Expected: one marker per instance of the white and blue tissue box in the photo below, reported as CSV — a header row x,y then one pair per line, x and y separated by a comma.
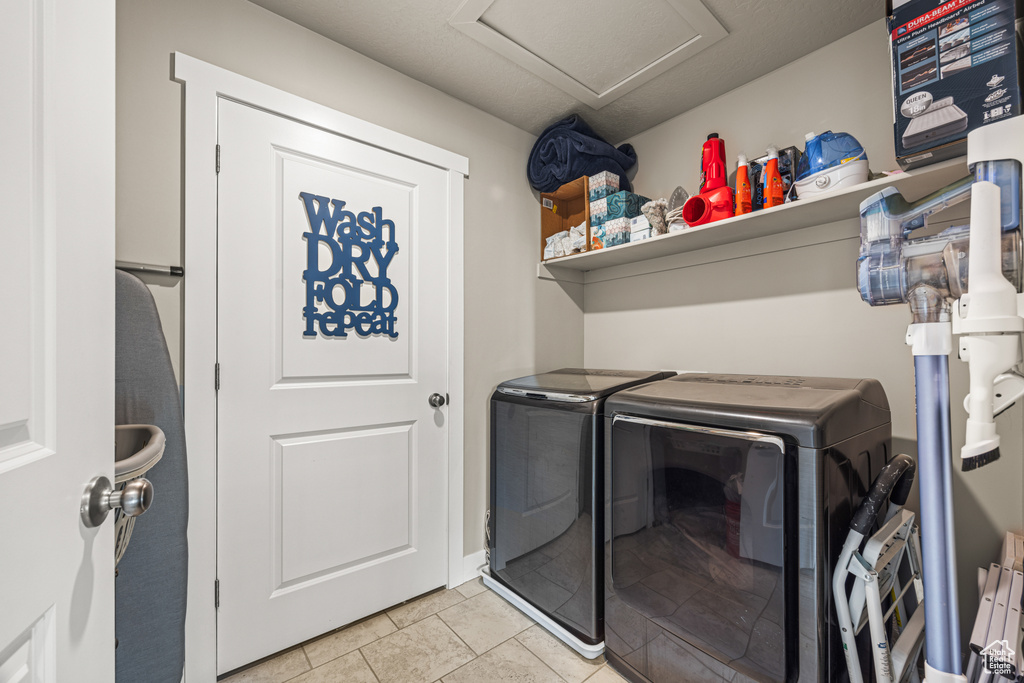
x,y
602,185
616,238
614,232
602,192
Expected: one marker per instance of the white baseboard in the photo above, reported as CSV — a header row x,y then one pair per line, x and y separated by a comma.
x,y
472,565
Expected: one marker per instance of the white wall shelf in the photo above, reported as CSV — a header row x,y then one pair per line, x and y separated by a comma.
x,y
798,215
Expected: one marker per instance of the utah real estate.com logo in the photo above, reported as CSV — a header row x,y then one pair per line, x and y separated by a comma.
x,y
998,658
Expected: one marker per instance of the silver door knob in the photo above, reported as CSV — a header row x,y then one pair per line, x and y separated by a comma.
x,y
100,498
436,400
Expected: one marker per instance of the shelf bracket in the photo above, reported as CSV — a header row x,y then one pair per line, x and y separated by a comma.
x,y
546,272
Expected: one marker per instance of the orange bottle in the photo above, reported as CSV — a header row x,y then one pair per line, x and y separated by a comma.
x,y
743,202
774,195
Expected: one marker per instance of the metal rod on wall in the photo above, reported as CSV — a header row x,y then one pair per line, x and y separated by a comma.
x,y
173,271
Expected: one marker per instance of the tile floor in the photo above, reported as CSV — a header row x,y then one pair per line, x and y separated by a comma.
x,y
464,635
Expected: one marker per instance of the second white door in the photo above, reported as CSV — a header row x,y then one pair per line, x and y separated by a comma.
x,y
332,338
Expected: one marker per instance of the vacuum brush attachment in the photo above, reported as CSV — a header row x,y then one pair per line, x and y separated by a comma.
x,y
989,326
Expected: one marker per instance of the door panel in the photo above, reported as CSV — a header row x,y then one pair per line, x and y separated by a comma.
x,y
311,356
364,473
332,319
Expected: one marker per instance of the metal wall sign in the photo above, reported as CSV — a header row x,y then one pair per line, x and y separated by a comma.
x,y
351,292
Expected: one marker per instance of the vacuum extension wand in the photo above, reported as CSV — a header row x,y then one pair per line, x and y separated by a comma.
x,y
931,339
935,479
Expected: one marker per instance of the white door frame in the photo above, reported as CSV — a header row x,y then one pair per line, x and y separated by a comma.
x,y
203,85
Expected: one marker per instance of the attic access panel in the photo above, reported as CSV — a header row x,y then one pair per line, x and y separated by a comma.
x,y
596,51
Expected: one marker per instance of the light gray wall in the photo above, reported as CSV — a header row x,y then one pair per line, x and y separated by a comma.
x,y
794,308
515,324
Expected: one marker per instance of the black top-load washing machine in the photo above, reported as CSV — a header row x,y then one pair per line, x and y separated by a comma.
x,y
546,511
729,498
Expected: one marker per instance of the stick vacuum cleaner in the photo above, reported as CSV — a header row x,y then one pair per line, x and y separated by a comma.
x,y
962,281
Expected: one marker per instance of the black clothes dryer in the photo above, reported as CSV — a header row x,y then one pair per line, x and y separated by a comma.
x,y
729,498
546,507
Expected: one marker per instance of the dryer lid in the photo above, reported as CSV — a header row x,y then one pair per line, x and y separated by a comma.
x,y
578,384
816,411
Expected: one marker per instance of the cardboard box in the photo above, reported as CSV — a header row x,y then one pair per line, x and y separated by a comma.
x,y
566,207
955,68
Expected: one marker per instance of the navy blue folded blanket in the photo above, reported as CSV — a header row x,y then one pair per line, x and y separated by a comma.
x,y
570,149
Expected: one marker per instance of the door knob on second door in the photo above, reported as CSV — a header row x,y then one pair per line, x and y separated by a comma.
x,y
436,400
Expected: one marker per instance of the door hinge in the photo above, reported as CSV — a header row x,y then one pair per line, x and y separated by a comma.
x,y
216,376
218,158
216,593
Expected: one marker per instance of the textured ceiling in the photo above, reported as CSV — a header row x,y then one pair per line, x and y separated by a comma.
x,y
415,38
651,28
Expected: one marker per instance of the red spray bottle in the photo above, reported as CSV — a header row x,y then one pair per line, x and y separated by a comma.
x,y
714,201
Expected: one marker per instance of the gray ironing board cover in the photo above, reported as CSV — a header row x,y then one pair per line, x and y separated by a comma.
x,y
152,576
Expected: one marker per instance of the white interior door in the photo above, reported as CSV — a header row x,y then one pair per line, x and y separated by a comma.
x,y
56,338
332,336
